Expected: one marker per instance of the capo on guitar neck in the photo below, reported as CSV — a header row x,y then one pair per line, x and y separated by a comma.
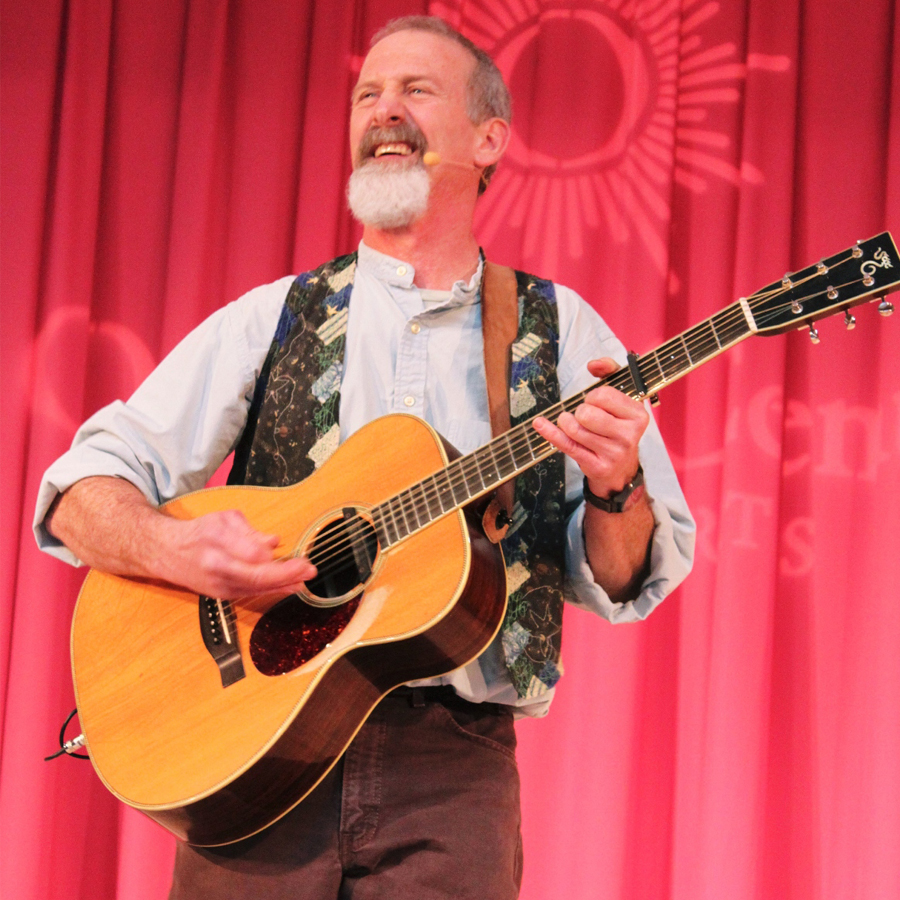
x,y
638,379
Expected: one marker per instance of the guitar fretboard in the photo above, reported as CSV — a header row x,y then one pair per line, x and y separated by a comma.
x,y
480,472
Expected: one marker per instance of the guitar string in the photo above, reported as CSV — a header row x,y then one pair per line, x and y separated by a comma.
x,y
459,476
472,465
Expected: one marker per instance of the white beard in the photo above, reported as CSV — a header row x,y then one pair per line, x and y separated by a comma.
x,y
383,197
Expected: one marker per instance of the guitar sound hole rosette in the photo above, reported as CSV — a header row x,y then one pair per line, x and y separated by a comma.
x,y
343,546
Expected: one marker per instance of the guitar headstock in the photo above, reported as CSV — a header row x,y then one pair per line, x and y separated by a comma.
x,y
870,269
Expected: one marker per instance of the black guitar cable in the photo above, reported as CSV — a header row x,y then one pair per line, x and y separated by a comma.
x,y
68,747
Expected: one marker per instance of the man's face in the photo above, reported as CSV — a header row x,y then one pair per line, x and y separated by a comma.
x,y
411,94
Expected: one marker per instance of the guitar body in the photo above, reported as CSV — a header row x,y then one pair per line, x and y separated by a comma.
x,y
215,759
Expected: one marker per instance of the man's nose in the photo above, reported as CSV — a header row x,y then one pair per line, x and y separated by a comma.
x,y
390,109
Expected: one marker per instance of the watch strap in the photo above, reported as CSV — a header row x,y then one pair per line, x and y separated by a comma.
x,y
618,501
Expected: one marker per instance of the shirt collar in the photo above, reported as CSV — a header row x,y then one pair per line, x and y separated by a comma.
x,y
398,273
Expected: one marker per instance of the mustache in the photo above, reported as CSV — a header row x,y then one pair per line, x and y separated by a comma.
x,y
404,133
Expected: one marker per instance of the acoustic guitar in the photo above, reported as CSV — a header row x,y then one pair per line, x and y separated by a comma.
x,y
215,718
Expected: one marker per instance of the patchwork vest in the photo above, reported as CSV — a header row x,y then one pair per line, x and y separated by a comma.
x,y
293,428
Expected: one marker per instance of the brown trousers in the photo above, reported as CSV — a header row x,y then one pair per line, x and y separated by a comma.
x,y
424,805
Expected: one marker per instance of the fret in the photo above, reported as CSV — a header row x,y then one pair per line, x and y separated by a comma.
x,y
420,504
484,463
410,511
437,503
715,334
652,372
529,436
731,323
656,380
687,351
518,448
504,457
445,491
701,343
382,532
401,507
401,533
472,475
672,361
458,485
495,476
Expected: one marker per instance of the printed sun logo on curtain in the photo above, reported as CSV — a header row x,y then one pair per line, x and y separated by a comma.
x,y
614,104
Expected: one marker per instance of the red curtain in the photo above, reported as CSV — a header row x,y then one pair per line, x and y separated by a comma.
x,y
158,159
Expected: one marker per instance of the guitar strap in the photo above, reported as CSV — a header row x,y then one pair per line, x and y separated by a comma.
x,y
499,327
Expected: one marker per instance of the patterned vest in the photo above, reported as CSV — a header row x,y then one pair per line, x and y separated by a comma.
x,y
293,428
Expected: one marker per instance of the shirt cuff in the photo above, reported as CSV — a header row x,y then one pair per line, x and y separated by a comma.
x,y
82,461
669,566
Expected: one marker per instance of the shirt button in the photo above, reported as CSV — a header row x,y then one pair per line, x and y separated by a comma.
x,y
401,270
409,401
415,328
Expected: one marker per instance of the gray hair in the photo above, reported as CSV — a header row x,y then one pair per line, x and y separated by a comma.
x,y
487,96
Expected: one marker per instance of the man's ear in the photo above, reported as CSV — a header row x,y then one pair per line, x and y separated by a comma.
x,y
493,136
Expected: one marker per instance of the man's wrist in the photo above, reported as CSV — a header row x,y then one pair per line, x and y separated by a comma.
x,y
618,501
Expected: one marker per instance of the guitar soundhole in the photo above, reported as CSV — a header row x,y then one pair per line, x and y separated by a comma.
x,y
344,553
292,632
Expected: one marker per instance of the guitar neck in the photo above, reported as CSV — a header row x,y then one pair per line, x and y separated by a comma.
x,y
831,285
506,456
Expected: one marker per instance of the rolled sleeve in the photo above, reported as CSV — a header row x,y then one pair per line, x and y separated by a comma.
x,y
181,423
671,555
585,336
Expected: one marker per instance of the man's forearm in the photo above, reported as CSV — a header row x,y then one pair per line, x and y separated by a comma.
x,y
108,524
618,548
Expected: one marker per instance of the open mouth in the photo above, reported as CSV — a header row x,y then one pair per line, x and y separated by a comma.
x,y
399,142
395,149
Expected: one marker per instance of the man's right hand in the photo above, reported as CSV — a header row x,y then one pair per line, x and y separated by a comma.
x,y
221,555
108,524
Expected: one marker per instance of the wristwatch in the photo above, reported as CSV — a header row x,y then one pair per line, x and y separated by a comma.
x,y
617,502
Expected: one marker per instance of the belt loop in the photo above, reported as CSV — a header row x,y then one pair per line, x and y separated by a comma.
x,y
417,698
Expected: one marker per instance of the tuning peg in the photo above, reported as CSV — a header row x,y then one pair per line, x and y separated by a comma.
x,y
885,307
849,320
813,334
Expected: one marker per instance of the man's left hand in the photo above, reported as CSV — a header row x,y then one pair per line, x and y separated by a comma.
x,y
602,434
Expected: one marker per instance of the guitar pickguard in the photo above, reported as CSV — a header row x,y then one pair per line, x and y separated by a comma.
x,y
292,632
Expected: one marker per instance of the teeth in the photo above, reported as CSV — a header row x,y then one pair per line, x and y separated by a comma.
x,y
401,149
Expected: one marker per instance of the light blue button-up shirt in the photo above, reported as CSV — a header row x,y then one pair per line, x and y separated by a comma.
x,y
405,353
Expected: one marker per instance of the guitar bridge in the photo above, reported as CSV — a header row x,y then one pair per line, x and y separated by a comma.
x,y
220,638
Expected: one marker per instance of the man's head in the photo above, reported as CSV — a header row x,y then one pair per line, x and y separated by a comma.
x,y
486,93
422,86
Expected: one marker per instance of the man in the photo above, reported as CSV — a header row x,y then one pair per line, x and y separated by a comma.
x,y
424,803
